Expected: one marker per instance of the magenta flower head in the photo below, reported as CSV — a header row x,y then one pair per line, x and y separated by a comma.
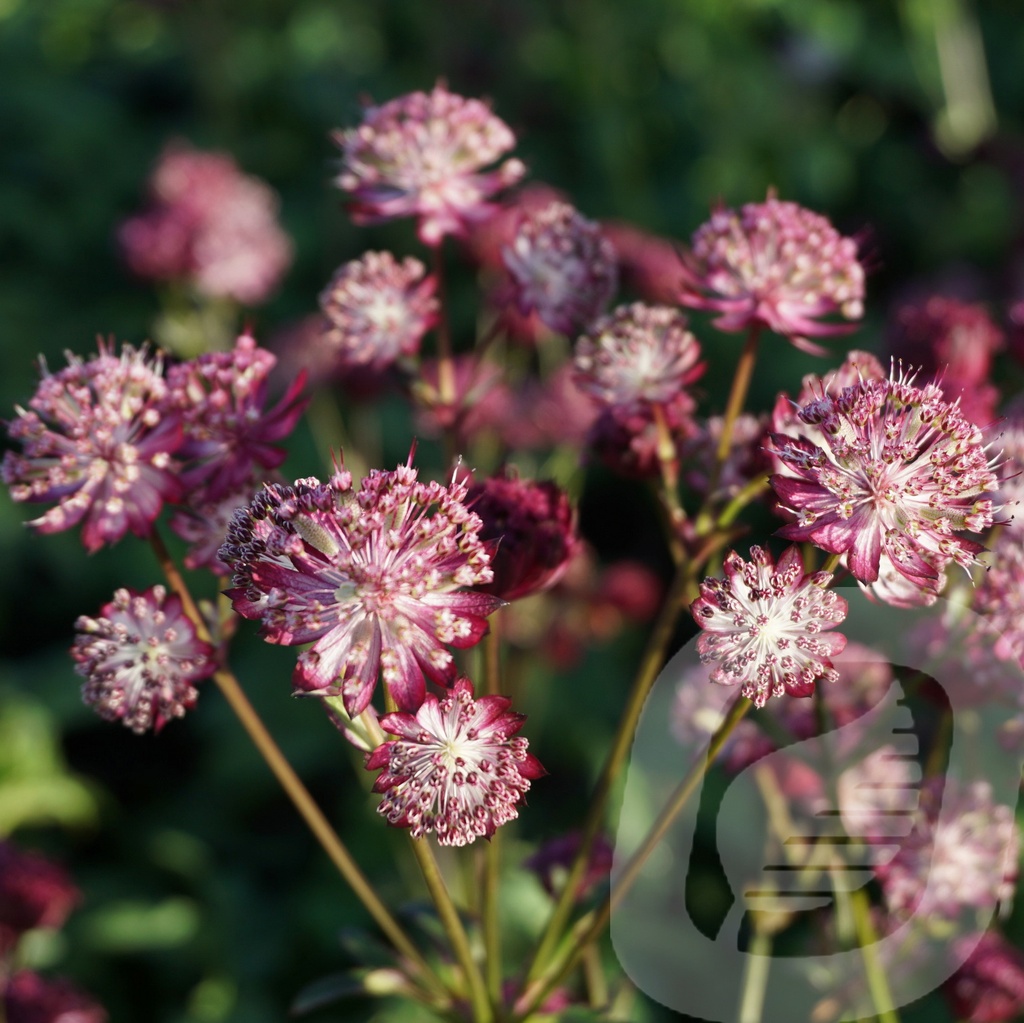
x,y
561,267
898,474
378,309
221,398
210,226
989,986
33,893
533,528
457,768
422,155
639,353
777,265
377,580
140,659
766,626
98,440
28,998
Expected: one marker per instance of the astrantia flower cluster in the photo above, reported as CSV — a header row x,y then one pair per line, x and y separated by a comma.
x,y
422,155
376,579
141,659
900,473
778,265
378,309
766,626
99,440
457,769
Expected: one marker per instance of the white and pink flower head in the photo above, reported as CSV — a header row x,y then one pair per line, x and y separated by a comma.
x,y
457,768
766,625
98,440
423,155
778,265
376,579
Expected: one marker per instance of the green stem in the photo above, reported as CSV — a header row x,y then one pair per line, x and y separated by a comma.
x,y
755,978
490,888
878,984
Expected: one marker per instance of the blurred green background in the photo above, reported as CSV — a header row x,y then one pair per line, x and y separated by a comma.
x,y
205,899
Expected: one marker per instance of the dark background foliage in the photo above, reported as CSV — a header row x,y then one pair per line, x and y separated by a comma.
x,y
205,899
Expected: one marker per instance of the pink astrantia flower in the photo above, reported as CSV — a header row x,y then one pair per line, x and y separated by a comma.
x,y
765,625
989,985
561,267
209,225
221,397
899,473
457,768
378,309
422,155
374,579
778,265
33,893
638,353
1008,438
29,998
97,439
140,659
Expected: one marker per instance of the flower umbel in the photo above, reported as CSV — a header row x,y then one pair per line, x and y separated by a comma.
x,y
766,625
375,579
140,658
97,439
457,768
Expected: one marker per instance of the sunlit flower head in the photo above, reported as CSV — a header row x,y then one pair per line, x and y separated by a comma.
x,y
638,353
140,659
457,769
98,440
561,267
33,893
765,626
778,265
423,155
899,473
378,309
376,579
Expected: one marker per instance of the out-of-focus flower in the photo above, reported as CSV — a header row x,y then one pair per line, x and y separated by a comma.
x,y
953,343
98,440
208,225
900,473
965,859
638,353
477,383
778,265
877,795
648,265
532,527
221,398
553,860
457,768
561,267
33,893
765,625
422,155
375,579
140,659
378,309
1008,438
28,998
999,596
989,985
204,524
745,460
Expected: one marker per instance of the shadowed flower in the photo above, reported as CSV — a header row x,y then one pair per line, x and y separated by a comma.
x,y
33,893
533,527
376,579
422,155
457,768
28,998
989,985
97,439
899,473
765,625
554,859
221,397
140,658
638,353
378,309
561,267
210,225
778,265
